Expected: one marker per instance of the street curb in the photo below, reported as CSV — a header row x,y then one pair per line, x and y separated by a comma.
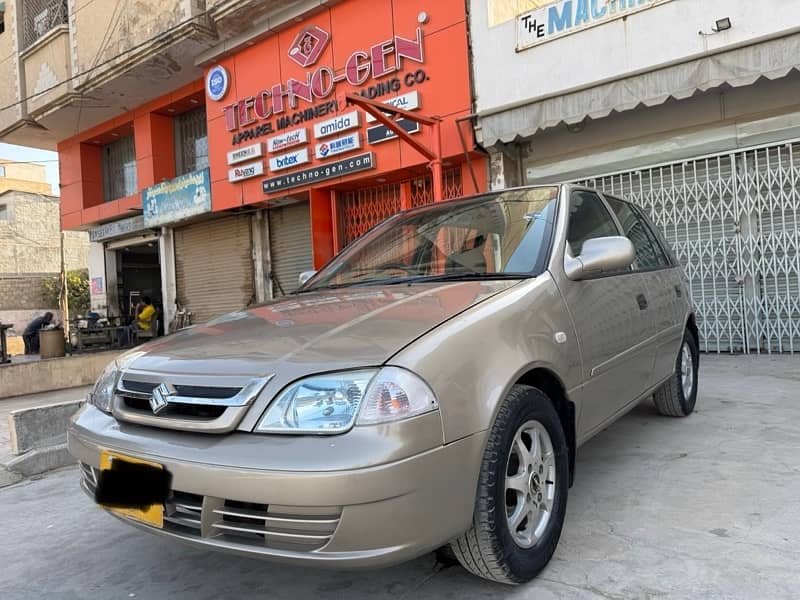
x,y
35,462
8,477
41,426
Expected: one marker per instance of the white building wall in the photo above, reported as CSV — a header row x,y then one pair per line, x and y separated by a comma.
x,y
657,37
97,278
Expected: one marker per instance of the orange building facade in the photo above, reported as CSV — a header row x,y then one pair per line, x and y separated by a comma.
x,y
286,160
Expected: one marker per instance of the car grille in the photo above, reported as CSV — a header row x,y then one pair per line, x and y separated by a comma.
x,y
209,409
184,390
194,411
298,529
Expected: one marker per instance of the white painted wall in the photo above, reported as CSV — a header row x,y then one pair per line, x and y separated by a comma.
x,y
662,35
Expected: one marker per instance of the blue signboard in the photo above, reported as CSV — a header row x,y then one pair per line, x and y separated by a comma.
x,y
180,198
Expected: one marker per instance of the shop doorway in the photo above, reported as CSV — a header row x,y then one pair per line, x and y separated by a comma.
x,y
139,275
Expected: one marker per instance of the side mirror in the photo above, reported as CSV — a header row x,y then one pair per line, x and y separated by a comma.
x,y
600,255
305,276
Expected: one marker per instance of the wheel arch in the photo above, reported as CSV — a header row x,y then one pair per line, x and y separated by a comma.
x,y
548,382
691,325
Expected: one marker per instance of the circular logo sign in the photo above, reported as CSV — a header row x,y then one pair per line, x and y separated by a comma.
x,y
217,83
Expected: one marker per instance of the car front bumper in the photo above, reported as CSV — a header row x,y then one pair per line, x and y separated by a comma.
x,y
369,516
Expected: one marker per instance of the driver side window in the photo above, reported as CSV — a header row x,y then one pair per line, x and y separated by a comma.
x,y
588,219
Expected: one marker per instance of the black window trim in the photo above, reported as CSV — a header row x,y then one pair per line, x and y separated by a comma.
x,y
646,223
626,273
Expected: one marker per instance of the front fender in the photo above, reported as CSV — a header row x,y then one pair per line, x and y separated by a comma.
x,y
472,360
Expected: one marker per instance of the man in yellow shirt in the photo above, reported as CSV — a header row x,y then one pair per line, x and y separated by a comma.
x,y
144,314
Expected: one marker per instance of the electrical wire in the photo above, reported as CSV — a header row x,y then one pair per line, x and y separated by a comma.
x,y
108,61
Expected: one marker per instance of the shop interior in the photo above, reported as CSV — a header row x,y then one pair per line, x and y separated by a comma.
x,y
139,275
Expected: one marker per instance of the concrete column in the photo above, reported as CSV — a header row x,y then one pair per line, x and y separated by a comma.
x,y
97,274
112,297
260,257
504,167
166,253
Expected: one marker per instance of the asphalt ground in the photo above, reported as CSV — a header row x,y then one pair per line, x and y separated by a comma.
x,y
702,508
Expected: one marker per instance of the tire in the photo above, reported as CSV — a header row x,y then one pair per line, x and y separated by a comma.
x,y
489,548
672,399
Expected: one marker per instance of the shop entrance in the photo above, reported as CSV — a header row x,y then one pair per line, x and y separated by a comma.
x,y
139,275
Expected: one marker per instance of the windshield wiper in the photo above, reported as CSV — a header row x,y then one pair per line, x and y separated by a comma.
x,y
421,279
464,277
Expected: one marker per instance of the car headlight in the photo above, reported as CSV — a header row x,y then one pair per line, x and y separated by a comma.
x,y
329,404
103,392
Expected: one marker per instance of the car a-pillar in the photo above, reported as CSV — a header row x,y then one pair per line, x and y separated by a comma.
x,y
550,384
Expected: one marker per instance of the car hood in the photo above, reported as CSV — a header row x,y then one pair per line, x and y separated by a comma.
x,y
311,332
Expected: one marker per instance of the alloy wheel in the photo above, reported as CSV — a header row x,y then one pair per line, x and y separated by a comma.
x,y
530,484
687,370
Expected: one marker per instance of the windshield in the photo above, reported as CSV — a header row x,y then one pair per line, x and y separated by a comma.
x,y
494,236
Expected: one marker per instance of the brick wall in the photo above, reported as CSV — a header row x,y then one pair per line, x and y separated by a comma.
x,y
25,292
30,237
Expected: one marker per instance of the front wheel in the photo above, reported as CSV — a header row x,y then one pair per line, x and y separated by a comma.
x,y
522,492
678,395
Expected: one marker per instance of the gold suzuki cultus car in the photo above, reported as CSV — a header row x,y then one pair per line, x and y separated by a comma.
x,y
428,388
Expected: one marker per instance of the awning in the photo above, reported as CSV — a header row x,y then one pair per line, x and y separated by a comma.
x,y
740,67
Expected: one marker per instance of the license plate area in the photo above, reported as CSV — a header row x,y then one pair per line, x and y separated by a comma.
x,y
132,487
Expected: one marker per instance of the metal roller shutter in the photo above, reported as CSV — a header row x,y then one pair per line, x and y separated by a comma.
x,y
290,246
214,267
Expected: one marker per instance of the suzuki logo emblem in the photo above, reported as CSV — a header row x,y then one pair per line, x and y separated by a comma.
x,y
160,398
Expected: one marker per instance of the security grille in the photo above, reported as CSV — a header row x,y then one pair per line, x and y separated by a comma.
x,y
732,220
119,169
422,187
360,210
40,16
191,141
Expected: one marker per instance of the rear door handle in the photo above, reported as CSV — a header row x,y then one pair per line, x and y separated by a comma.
x,y
678,291
641,301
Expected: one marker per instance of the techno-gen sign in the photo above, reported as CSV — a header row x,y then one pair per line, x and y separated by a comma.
x,y
320,83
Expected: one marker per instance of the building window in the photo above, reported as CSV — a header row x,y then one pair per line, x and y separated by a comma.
x,y
41,16
191,141
2,19
3,212
119,169
2,171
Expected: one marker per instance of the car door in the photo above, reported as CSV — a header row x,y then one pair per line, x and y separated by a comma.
x,y
666,291
610,317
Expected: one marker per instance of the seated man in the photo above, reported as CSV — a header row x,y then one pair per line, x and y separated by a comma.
x,y
145,314
31,334
144,319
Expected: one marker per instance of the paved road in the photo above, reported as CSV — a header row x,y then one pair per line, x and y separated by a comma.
x,y
700,508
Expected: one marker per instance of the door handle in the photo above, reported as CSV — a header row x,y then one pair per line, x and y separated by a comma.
x,y
641,301
678,291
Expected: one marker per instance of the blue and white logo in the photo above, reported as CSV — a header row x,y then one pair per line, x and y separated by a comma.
x,y
292,159
339,145
217,83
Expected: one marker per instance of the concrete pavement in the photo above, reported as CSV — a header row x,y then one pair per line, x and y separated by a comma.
x,y
705,507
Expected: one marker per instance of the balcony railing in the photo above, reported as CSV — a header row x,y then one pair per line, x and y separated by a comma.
x,y
40,17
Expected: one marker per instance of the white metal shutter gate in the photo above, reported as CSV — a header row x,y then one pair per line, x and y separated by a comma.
x,y
290,246
733,222
214,267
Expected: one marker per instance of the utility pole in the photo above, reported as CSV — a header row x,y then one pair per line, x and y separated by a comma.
x,y
64,290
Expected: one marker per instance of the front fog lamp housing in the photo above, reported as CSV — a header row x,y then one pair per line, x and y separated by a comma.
x,y
330,404
103,392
